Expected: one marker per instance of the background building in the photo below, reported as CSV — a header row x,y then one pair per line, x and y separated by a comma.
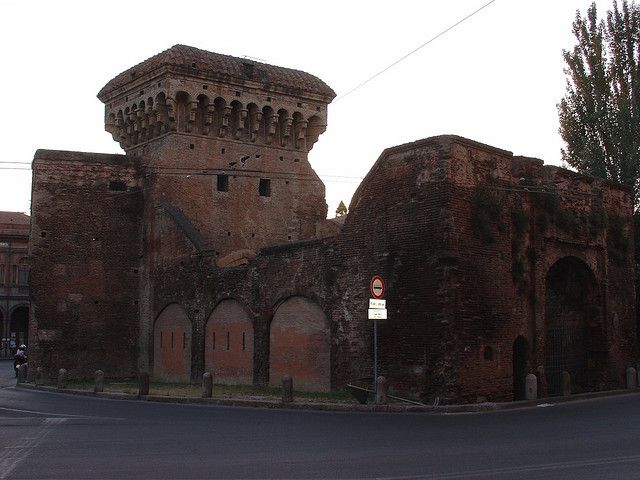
x,y
14,280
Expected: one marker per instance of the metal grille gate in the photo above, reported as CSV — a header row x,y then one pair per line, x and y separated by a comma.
x,y
565,351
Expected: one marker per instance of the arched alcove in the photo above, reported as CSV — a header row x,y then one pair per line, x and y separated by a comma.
x,y
300,345
229,344
172,345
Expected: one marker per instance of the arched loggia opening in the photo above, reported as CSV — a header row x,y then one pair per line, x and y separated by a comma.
x,y
572,303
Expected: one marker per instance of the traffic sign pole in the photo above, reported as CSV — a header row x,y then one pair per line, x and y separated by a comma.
x,y
377,310
375,357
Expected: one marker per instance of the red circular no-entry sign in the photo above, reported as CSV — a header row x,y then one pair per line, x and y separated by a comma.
x,y
377,287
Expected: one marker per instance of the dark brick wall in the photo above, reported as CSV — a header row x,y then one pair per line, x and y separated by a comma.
x,y
85,244
464,236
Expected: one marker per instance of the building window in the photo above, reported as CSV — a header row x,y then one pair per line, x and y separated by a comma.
x,y
223,183
265,187
14,275
23,276
1,274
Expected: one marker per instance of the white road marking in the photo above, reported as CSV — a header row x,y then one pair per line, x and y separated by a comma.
x,y
541,467
51,414
11,457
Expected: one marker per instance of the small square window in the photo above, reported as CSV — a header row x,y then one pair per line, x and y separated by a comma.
x,y
223,183
265,187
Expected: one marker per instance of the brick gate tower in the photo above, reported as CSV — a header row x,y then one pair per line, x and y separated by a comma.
x,y
224,143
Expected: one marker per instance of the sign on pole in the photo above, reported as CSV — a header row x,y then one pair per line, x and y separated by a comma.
x,y
377,287
377,314
376,303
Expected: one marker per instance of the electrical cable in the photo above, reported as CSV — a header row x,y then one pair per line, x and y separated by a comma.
x,y
404,57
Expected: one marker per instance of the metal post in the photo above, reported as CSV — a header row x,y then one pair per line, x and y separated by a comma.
x,y
375,356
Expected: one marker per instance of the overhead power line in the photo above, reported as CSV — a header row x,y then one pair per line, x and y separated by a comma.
x,y
404,57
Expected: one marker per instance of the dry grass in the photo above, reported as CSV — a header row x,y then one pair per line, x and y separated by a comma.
x,y
219,391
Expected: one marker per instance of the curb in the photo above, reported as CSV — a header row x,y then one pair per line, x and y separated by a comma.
x,y
335,407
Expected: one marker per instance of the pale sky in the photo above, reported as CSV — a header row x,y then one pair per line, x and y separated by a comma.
x,y
496,78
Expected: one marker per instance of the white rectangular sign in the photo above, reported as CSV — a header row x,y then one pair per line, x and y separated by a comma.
x,y
377,314
375,303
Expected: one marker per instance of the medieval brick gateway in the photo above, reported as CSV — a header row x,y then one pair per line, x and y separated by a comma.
x,y
205,248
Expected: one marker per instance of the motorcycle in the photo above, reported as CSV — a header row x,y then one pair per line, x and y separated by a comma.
x,y
17,361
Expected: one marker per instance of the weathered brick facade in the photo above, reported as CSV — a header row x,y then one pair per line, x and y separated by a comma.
x,y
14,281
211,251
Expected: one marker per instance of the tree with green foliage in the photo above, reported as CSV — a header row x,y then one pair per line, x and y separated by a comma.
x,y
600,113
341,210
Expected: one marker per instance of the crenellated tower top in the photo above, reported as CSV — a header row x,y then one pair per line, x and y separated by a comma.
x,y
185,89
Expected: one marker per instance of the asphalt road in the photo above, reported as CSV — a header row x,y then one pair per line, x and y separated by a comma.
x,y
58,436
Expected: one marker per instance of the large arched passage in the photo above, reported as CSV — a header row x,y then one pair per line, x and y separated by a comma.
x,y
172,345
229,344
300,345
19,324
571,302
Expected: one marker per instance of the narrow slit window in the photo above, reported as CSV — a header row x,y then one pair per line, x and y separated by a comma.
x,y
228,343
265,187
223,183
184,340
160,339
244,342
171,340
213,341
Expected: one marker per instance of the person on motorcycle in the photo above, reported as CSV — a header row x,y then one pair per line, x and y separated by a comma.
x,y
20,357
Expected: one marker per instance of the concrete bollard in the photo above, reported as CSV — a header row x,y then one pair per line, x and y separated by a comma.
x,y
531,387
566,384
98,386
382,387
207,385
542,382
143,384
287,389
632,378
22,373
62,379
39,376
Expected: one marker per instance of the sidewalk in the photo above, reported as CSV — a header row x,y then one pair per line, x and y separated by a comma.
x,y
305,404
